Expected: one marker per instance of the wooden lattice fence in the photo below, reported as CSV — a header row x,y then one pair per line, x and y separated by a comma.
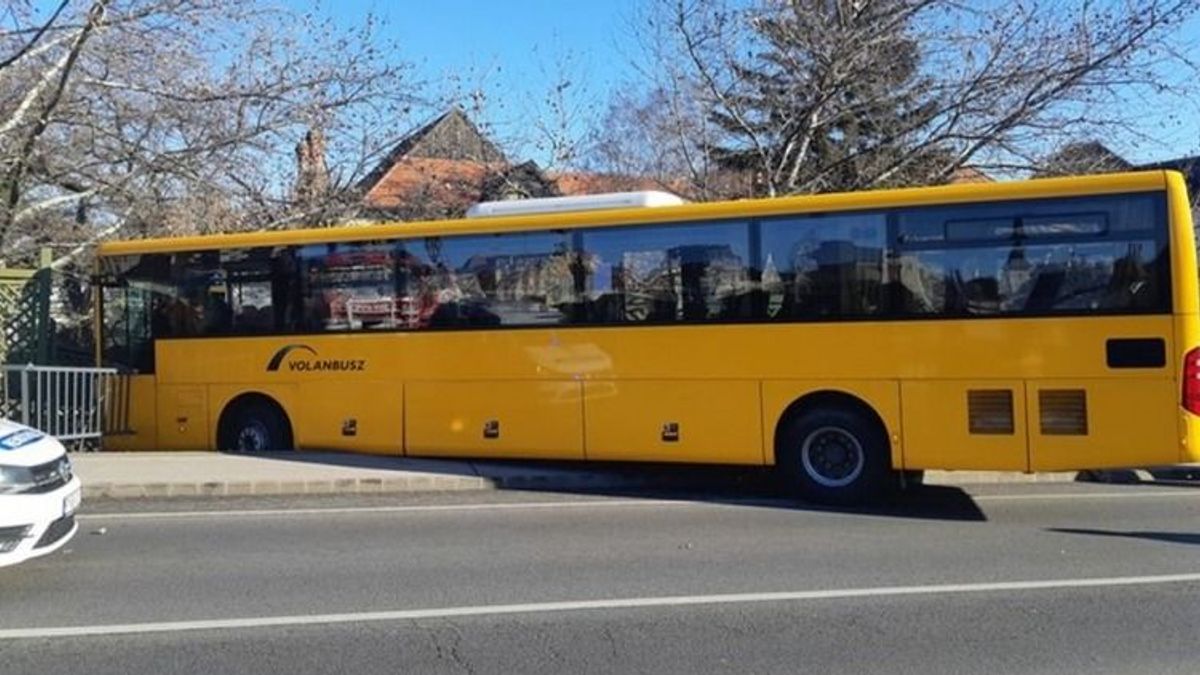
x,y
46,357
24,315
45,317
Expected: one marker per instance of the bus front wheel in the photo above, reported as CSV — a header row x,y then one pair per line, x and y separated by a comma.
x,y
255,425
834,455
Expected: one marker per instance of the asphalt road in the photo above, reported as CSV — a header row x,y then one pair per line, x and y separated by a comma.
x,y
1021,578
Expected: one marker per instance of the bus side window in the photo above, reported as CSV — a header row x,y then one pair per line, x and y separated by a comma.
x,y
667,273
517,279
825,266
1057,256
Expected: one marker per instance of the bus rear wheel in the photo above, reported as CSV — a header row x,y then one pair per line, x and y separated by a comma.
x,y
834,455
255,425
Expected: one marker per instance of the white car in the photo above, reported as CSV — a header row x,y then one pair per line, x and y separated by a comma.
x,y
39,494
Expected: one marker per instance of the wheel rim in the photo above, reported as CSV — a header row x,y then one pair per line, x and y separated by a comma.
x,y
253,437
832,457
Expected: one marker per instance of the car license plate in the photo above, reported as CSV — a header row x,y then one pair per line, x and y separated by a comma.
x,y
71,502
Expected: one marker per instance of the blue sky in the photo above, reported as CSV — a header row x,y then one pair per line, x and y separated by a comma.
x,y
513,50
520,36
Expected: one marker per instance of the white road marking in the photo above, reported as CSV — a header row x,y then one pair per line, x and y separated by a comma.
x,y
1162,494
416,508
588,605
594,503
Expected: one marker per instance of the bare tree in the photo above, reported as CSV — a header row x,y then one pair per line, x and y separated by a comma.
x,y
150,117
490,142
816,95
661,135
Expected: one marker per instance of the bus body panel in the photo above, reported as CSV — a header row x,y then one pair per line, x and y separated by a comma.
x,y
1189,440
941,432
183,417
137,402
1186,300
627,377
1044,348
1104,437
350,415
713,421
535,419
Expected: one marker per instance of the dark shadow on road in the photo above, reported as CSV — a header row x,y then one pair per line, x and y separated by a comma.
x,y
923,503
1191,538
1170,476
1176,473
733,485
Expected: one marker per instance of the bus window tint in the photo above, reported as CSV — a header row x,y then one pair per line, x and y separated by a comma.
x,y
247,273
823,266
1086,276
1103,254
346,286
1120,215
667,273
126,312
518,279
186,292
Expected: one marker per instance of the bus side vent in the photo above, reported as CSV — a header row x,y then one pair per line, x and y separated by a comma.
x,y
1063,412
990,411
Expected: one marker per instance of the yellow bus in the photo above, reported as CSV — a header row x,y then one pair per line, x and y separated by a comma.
x,y
848,339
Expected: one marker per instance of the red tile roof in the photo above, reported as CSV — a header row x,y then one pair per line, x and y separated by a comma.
x,y
970,174
450,183
581,183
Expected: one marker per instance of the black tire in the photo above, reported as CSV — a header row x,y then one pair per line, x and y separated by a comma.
x,y
835,455
256,426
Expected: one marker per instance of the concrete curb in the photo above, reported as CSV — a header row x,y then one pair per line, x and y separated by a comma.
x,y
261,488
408,484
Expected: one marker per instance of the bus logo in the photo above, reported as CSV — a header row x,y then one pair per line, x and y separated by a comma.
x,y
312,365
280,355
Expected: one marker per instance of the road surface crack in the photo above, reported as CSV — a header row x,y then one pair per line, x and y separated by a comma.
x,y
448,651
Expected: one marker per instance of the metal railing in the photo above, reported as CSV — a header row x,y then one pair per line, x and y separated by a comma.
x,y
71,404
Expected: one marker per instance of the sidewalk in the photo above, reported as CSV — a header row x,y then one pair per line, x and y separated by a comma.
x,y
191,474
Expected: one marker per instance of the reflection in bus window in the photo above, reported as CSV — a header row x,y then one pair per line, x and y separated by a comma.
x,y
194,302
825,266
668,273
1121,215
1050,256
1099,276
521,279
349,286
128,337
